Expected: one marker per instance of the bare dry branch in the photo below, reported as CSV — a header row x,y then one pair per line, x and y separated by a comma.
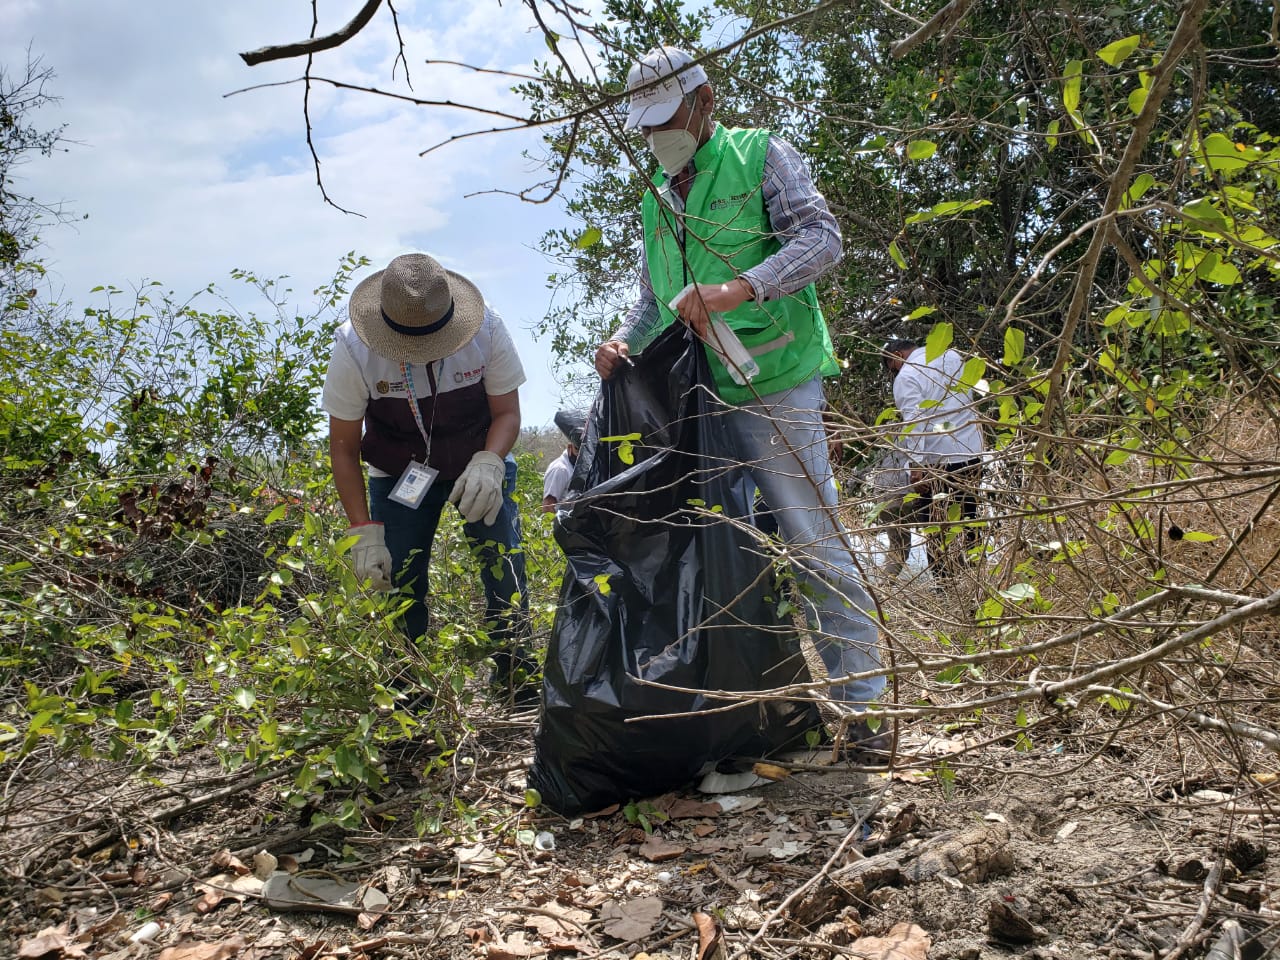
x,y
313,44
945,19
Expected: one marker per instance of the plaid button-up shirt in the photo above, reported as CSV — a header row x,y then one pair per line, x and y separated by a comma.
x,y
799,218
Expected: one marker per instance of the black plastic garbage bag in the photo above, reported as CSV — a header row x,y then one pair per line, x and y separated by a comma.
x,y
662,586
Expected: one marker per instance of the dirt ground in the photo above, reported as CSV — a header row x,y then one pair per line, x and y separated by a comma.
x,y
959,850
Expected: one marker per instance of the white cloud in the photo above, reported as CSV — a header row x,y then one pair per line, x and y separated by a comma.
x,y
183,183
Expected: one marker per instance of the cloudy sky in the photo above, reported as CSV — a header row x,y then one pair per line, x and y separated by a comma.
x,y
182,183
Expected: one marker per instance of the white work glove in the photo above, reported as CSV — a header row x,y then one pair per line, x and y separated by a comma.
x,y
478,492
370,555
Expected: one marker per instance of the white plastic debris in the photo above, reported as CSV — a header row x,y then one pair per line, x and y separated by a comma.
x,y
544,841
717,782
146,933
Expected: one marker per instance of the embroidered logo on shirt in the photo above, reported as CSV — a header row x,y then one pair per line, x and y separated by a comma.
x,y
468,376
383,387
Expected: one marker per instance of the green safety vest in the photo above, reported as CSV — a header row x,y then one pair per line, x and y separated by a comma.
x,y
727,232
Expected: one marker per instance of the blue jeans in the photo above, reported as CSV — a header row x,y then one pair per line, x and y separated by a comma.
x,y
782,444
409,535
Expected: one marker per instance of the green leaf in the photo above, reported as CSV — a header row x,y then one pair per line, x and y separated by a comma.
x,y
897,256
1015,345
1203,209
1141,184
939,339
948,208
532,798
1051,137
1216,270
275,515
347,763
588,238
1138,96
974,369
1018,592
919,312
1071,86
921,149
626,451
1116,52
1224,154
602,583
1198,536
246,698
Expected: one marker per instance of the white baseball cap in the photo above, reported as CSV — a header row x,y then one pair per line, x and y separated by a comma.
x,y
657,103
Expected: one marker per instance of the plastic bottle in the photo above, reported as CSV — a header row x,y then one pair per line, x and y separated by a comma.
x,y
741,364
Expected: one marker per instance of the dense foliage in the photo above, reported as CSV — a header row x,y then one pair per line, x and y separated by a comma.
x,y
1083,198
968,174
173,571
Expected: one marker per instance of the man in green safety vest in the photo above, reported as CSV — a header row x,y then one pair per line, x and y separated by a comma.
x,y
735,234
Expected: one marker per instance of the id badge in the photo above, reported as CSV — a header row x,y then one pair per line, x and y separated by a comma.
x,y
413,485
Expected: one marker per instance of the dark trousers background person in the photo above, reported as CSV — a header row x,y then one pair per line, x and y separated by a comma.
x,y
897,516
940,486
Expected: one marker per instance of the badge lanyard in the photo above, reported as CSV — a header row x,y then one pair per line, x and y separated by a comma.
x,y
406,372
417,477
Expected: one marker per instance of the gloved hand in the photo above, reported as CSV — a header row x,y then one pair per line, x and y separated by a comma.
x,y
478,492
370,555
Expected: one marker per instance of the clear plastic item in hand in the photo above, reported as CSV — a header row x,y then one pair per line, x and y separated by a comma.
x,y
741,364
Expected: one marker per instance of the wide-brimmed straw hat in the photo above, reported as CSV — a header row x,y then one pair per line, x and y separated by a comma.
x,y
416,310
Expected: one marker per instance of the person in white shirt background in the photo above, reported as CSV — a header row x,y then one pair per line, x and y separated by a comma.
x,y
555,479
942,441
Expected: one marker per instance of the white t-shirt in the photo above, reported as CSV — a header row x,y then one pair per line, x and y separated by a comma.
x,y
357,376
945,430
555,480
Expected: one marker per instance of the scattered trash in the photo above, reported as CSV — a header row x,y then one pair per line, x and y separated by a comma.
x,y
479,859
145,933
320,891
731,804
717,782
544,842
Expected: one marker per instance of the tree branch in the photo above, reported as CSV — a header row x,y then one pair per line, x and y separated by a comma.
x,y
946,18
1162,79
312,45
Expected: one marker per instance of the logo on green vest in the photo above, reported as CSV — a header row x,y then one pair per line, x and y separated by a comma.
x,y
736,201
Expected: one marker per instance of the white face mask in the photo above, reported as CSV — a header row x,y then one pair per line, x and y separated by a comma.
x,y
673,148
